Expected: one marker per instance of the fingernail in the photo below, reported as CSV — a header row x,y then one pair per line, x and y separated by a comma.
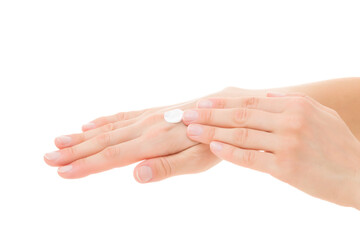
x,y
275,94
205,104
64,169
88,126
195,130
144,173
190,115
52,156
216,146
63,140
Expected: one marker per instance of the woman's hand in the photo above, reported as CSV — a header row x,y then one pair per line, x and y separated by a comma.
x,y
126,138
293,138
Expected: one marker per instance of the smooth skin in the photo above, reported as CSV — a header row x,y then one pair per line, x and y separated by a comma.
x,y
291,137
126,138
165,150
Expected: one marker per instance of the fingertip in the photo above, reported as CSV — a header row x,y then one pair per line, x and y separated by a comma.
x,y
88,126
71,172
143,173
216,147
65,171
204,103
62,141
190,116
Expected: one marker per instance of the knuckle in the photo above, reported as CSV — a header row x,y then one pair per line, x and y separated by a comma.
x,y
72,151
208,116
111,153
108,127
221,103
241,136
211,133
167,169
103,139
300,103
241,115
296,122
250,102
120,116
248,158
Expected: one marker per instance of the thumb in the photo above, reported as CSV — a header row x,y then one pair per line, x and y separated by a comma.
x,y
192,160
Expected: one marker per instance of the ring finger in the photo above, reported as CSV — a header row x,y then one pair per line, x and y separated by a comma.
x,y
239,137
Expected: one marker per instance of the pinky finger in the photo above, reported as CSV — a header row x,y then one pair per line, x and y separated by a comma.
x,y
256,160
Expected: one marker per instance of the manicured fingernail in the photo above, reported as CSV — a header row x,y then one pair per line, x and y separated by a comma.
x,y
52,156
205,104
190,115
88,126
144,173
275,94
195,130
64,169
216,146
63,140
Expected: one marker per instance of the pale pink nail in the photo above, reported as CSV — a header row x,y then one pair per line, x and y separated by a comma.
x,y
205,104
64,169
52,156
88,126
144,173
190,115
63,140
216,146
195,130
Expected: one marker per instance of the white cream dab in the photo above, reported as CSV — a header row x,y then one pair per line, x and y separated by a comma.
x,y
173,116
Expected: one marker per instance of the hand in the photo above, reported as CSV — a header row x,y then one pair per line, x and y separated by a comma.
x,y
293,138
126,138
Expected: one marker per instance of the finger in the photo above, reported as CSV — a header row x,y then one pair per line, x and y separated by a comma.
x,y
261,103
260,161
121,116
91,146
310,99
192,160
111,157
74,139
232,117
240,137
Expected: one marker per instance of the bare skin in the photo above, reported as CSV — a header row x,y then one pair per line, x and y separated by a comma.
x,y
114,141
164,149
293,138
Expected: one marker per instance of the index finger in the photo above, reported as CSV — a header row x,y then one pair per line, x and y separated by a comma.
x,y
233,118
269,104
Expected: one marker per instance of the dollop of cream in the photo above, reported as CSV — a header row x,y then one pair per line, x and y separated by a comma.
x,y
173,116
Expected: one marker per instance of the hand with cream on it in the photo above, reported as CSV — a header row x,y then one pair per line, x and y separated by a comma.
x,y
291,137
130,137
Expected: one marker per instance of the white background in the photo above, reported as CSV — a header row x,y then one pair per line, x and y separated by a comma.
x,y
64,63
